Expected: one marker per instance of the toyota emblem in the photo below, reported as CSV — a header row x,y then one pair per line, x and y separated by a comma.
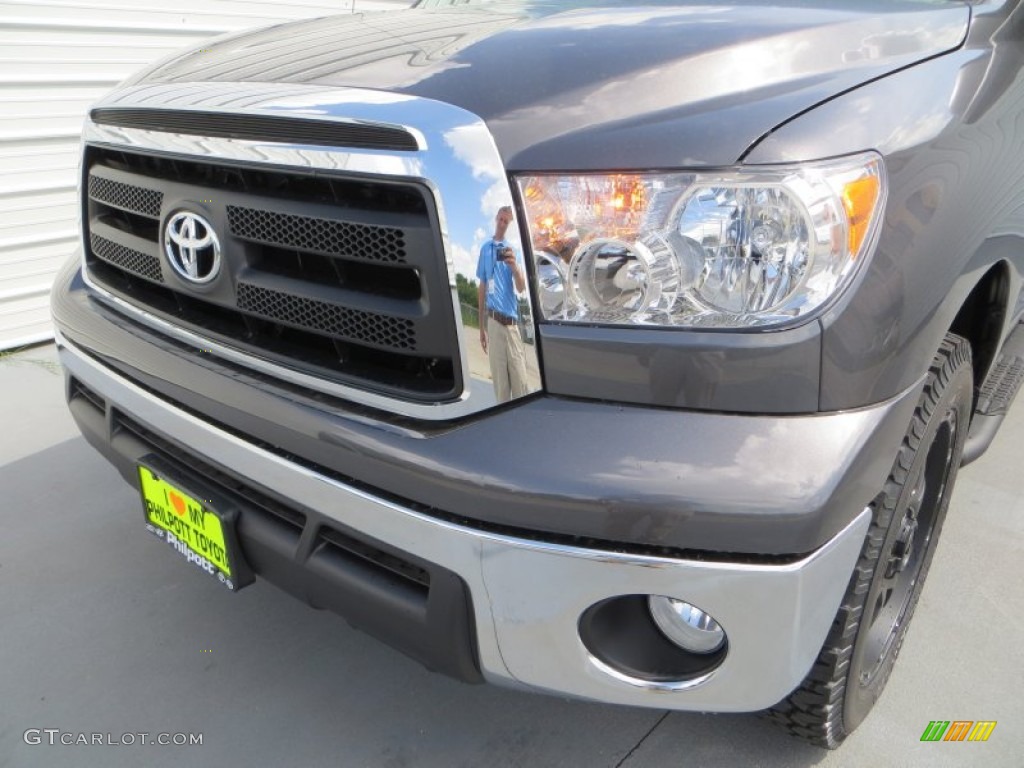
x,y
192,247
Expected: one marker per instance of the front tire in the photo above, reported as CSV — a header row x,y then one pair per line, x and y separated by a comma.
x,y
865,638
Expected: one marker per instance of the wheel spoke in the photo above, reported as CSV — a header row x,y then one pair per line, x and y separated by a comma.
x,y
917,493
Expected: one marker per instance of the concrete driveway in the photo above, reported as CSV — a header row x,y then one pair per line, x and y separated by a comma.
x,y
103,631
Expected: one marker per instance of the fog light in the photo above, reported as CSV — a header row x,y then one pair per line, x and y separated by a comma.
x,y
686,625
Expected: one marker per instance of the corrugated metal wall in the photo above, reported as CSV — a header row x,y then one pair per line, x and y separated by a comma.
x,y
56,58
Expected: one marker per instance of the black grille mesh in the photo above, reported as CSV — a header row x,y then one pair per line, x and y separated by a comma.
x,y
126,196
306,233
136,262
338,276
348,324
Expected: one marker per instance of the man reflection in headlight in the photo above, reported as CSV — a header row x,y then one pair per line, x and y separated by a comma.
x,y
500,279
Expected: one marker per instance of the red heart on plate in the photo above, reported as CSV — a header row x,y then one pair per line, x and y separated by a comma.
x,y
178,503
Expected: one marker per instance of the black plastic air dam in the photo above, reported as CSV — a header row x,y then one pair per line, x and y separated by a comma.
x,y
418,608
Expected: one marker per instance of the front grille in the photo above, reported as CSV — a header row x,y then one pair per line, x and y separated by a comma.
x,y
378,330
340,277
125,196
324,236
137,263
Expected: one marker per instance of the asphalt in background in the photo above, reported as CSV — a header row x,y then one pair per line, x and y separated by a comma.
x,y
104,630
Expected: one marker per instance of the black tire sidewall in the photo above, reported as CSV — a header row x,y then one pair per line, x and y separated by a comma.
x,y
953,385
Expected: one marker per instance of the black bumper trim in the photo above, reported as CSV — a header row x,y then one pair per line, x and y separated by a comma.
x,y
419,608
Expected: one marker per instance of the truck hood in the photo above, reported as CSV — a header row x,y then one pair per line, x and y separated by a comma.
x,y
566,86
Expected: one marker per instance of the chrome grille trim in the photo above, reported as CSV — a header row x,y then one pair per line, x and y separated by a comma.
x,y
458,163
357,321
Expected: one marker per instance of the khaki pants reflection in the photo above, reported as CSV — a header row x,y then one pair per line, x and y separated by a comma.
x,y
507,360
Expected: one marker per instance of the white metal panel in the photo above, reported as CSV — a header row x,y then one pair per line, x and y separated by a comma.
x,y
56,58
25,318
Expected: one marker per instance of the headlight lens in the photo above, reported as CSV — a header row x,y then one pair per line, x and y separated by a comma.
x,y
753,247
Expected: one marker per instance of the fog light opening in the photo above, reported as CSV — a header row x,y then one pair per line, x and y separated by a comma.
x,y
621,633
686,625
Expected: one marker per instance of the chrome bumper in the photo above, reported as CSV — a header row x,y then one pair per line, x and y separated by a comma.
x,y
528,596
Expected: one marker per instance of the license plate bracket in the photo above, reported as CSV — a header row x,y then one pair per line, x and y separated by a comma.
x,y
196,521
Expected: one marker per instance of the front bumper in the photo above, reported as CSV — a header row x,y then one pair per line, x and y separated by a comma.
x,y
580,472
525,598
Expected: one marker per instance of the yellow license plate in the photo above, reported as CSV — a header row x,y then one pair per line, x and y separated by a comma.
x,y
187,524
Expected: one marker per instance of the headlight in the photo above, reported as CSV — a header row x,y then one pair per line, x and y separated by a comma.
x,y
750,247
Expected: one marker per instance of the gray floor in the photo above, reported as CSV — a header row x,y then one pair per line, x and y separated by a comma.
x,y
104,631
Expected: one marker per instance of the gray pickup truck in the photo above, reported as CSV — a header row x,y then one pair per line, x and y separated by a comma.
x,y
621,352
